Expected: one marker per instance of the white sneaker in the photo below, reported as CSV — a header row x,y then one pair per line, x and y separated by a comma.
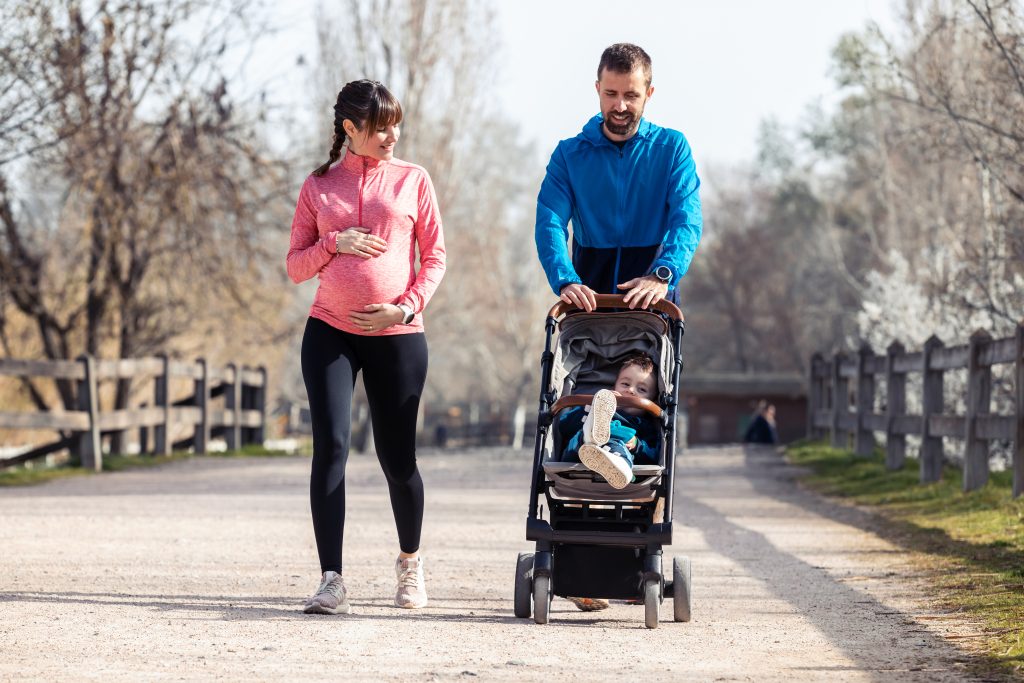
x,y
611,466
411,592
597,426
330,598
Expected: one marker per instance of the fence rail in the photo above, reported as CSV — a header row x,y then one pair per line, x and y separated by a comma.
x,y
242,420
846,380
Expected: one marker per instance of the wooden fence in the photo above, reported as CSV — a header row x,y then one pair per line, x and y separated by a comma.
x,y
844,380
241,420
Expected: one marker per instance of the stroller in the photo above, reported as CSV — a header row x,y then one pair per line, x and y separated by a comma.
x,y
597,541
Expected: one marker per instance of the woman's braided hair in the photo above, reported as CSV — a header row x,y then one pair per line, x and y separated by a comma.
x,y
364,103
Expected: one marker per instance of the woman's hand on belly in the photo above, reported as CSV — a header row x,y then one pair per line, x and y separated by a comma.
x,y
376,317
359,242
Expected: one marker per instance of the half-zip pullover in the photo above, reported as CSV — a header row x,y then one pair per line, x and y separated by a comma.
x,y
396,201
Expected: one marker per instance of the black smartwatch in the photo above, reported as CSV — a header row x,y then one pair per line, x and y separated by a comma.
x,y
408,314
663,273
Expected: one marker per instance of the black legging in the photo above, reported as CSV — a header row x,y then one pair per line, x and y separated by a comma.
x,y
394,369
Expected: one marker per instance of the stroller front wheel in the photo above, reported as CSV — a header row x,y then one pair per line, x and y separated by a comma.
x,y
681,587
541,598
652,603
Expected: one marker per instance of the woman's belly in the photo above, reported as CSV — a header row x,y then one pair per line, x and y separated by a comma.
x,y
348,283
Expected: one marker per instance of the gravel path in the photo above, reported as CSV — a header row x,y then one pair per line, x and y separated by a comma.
x,y
197,571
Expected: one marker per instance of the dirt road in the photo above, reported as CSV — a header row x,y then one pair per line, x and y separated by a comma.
x,y
197,571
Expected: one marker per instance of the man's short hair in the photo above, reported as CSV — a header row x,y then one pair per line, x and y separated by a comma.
x,y
625,58
641,360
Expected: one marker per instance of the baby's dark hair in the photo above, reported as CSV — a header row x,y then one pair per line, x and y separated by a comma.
x,y
641,360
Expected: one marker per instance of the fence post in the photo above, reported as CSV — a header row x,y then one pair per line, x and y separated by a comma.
x,y
864,441
979,397
161,393
1018,443
895,407
931,404
260,399
201,439
813,396
840,401
233,407
143,435
90,452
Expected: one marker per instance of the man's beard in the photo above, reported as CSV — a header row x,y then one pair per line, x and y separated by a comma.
x,y
626,128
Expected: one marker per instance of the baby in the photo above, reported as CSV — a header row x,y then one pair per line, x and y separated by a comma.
x,y
609,439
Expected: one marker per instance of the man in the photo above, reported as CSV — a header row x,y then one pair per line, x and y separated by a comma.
x,y
631,190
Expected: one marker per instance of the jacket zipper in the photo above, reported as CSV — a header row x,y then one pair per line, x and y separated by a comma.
x,y
362,184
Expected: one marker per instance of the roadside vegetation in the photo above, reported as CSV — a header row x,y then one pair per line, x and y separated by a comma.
x,y
25,476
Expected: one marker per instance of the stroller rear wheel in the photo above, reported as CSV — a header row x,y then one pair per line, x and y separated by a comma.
x,y
524,585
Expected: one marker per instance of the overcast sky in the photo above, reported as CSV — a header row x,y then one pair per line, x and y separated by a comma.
x,y
719,67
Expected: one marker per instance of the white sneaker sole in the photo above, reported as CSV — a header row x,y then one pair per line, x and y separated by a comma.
x,y
412,605
317,608
598,460
597,426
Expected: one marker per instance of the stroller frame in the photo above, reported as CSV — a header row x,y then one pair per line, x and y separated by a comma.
x,y
620,536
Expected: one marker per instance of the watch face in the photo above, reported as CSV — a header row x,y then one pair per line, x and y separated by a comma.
x,y
663,273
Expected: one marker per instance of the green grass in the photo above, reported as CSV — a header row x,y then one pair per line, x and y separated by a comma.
x,y
26,476
971,544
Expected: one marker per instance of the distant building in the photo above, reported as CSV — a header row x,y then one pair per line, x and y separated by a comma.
x,y
719,406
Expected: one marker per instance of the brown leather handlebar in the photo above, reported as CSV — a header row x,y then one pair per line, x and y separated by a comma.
x,y
615,301
625,401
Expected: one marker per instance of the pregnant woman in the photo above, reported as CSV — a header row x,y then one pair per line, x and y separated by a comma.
x,y
358,224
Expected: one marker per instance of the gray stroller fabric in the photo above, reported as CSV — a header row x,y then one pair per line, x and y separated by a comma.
x,y
588,349
590,346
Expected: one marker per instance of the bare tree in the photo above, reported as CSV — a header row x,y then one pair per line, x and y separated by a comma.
x,y
135,193
942,118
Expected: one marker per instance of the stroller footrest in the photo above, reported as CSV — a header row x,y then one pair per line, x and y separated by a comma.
x,y
540,530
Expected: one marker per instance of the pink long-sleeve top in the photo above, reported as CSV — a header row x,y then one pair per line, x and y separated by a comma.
x,y
396,201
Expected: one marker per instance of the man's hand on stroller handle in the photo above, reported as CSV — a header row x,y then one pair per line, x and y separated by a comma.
x,y
644,291
580,296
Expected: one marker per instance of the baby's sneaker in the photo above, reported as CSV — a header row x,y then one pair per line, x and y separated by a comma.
x,y
597,425
330,598
611,466
411,593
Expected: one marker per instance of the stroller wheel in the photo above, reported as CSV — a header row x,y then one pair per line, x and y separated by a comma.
x,y
541,598
652,603
681,588
524,585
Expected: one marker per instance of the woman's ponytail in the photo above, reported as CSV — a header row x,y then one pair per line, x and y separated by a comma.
x,y
335,154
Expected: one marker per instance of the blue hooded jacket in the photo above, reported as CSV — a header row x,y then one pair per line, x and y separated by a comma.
x,y
632,209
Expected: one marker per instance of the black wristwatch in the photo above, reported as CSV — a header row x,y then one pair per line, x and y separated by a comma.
x,y
663,273
409,315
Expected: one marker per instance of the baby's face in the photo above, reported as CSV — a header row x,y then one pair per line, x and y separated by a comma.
x,y
632,381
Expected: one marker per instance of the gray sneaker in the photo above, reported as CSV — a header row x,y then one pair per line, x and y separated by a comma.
x,y
411,593
330,598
